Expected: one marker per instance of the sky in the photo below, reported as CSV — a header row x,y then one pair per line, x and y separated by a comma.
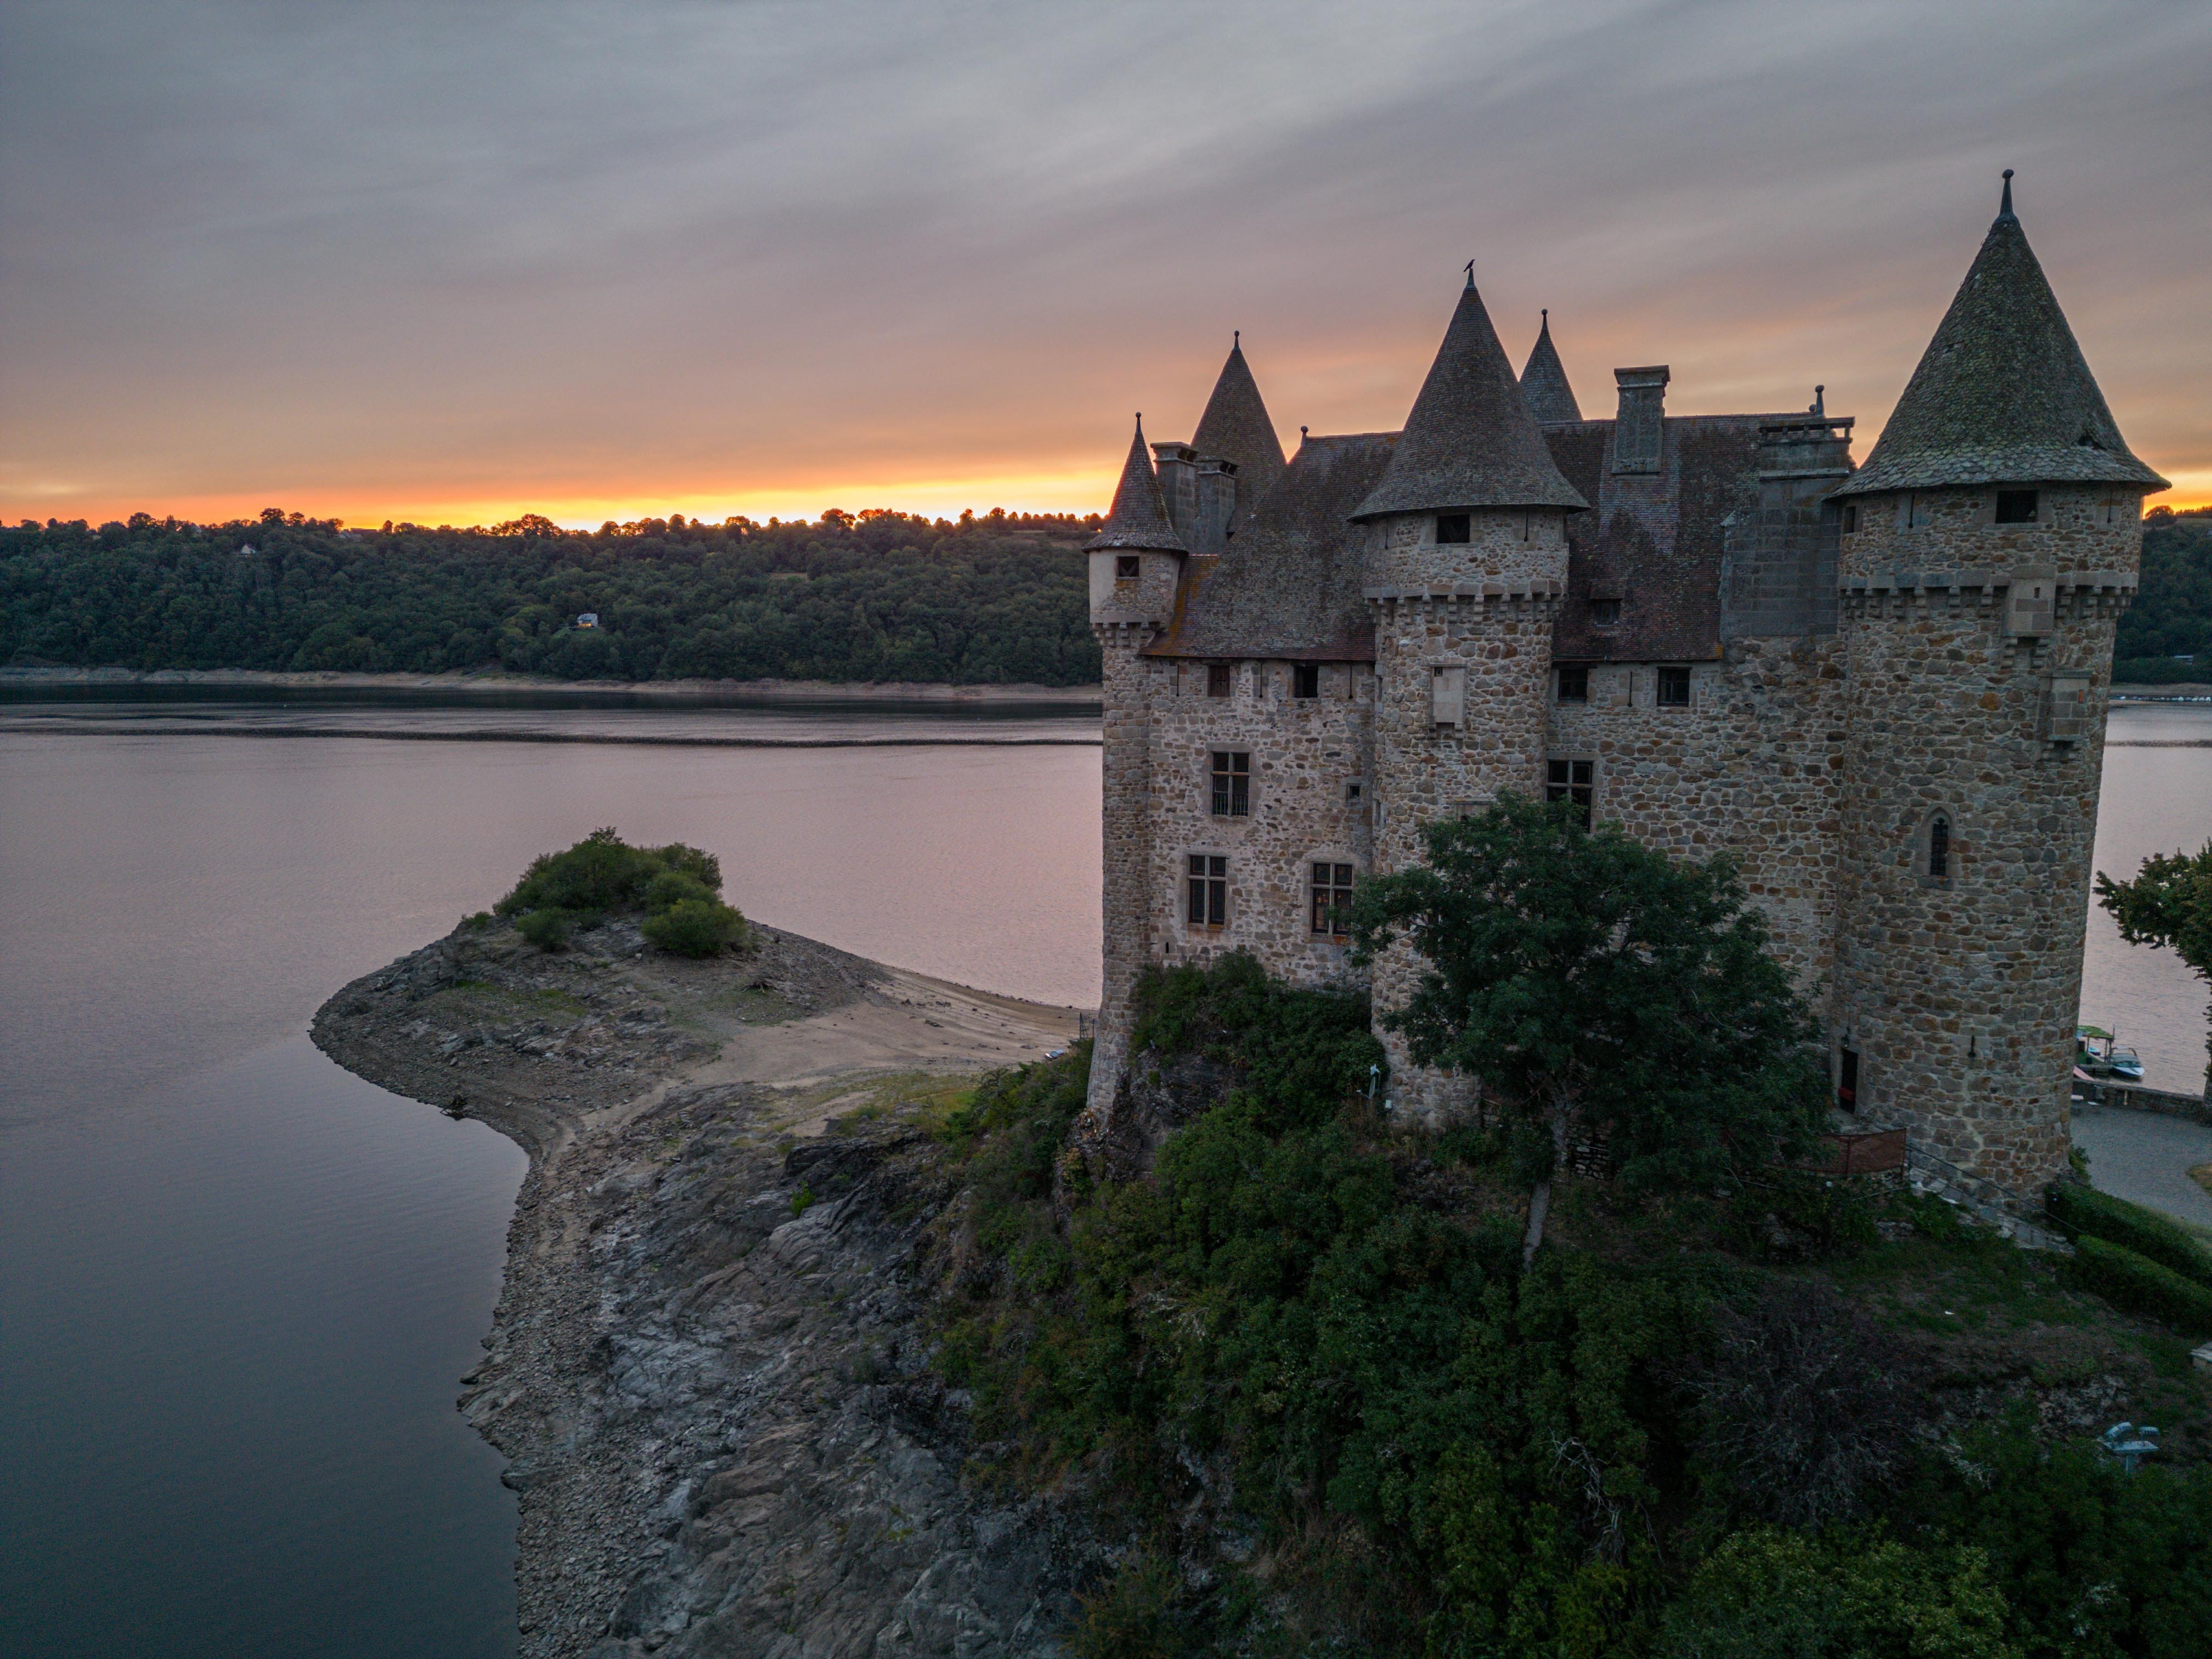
x,y
606,258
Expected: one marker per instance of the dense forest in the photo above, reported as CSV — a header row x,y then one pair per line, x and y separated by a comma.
x,y
994,599
2166,634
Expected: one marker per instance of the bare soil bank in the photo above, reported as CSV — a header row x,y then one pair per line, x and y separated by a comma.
x,y
469,682
709,1362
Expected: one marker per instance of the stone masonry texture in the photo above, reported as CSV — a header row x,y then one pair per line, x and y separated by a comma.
x,y
1753,661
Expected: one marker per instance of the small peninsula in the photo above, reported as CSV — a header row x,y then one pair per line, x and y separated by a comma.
x,y
709,1363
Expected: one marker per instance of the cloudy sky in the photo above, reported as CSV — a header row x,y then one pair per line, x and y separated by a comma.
x,y
597,258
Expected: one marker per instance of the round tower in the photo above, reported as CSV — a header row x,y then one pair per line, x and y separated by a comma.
x,y
1137,561
1988,547
1465,568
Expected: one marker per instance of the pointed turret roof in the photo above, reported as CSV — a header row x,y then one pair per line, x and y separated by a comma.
x,y
1470,439
1544,382
1236,427
2002,394
1139,517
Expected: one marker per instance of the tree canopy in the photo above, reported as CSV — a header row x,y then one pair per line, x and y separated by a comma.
x,y
994,599
2168,905
1588,979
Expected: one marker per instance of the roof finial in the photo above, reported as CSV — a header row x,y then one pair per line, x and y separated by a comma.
x,y
1235,338
1301,435
2006,212
1819,400
1470,273
1546,313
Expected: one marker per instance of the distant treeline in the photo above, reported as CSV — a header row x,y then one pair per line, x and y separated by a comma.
x,y
2171,616
995,599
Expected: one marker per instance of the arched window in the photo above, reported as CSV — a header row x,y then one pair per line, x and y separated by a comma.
x,y
1939,847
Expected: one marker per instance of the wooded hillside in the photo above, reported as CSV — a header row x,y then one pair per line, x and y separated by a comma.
x,y
880,595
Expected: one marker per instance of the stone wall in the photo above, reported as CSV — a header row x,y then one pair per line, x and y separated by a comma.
x,y
1305,751
1750,769
1126,840
1959,991
1483,611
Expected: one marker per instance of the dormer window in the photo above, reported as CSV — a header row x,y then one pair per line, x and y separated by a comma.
x,y
1454,527
2015,506
1128,567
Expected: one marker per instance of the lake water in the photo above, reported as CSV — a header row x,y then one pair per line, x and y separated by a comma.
x,y
237,1286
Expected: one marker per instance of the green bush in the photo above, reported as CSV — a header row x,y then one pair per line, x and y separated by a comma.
x,y
1303,1051
695,927
1768,1595
603,871
2135,1282
1132,1615
2078,1210
2094,1563
670,887
546,929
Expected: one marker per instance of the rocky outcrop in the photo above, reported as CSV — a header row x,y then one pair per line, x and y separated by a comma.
x,y
709,1364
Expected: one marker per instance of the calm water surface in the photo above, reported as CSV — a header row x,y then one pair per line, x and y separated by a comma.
x,y
237,1284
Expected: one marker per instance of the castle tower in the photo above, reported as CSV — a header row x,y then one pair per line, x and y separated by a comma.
x,y
1988,547
1544,382
1136,568
1466,564
1236,428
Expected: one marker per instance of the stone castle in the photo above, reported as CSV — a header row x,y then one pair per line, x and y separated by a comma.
x,y
1880,689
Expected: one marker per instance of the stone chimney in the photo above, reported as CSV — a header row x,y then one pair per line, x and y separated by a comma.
x,y
1640,430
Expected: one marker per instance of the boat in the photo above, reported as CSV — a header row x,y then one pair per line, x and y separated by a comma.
x,y
2098,1054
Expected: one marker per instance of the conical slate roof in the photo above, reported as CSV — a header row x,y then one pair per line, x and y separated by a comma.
x,y
2001,394
1139,517
1544,382
1470,439
1236,427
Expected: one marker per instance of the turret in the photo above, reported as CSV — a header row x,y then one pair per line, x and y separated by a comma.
x,y
1465,568
1137,560
1235,429
1137,557
1987,548
1544,381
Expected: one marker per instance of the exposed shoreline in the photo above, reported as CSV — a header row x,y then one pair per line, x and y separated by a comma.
x,y
709,1365
467,683
494,735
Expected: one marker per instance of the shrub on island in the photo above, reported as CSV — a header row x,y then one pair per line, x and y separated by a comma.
x,y
676,888
695,927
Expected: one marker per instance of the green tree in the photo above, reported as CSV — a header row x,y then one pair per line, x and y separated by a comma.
x,y
2168,906
1587,978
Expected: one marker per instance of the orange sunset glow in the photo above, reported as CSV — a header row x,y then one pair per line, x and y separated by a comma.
x,y
645,268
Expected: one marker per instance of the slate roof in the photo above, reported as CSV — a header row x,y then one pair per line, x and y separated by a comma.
x,y
1469,439
2002,394
1288,587
1544,382
1139,517
1236,427
1654,543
